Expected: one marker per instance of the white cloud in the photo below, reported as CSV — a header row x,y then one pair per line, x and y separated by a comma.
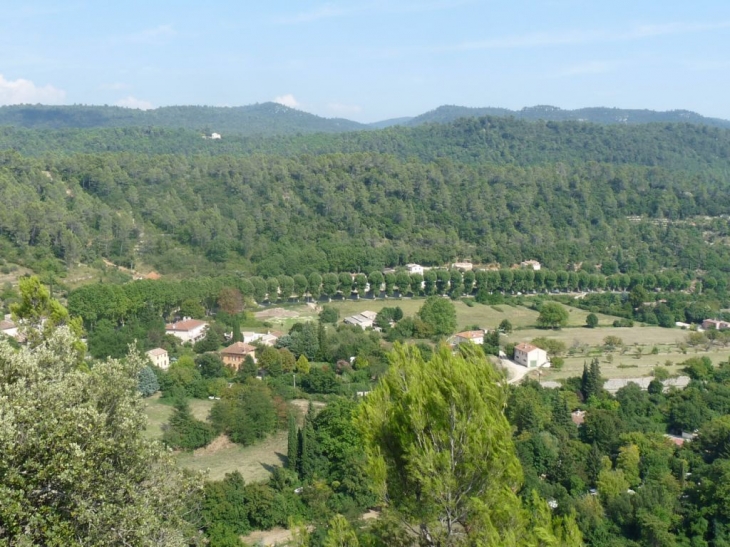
x,y
133,102
344,109
22,91
287,100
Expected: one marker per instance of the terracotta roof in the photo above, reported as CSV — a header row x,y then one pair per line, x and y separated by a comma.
x,y
527,348
238,348
186,325
470,334
157,351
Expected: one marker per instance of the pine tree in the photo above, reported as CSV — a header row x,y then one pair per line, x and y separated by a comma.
x,y
293,445
597,381
591,382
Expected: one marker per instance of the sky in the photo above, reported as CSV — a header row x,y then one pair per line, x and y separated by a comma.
x,y
369,60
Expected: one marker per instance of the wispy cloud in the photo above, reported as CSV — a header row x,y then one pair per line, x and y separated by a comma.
x,y
287,100
133,102
157,35
568,37
332,10
22,91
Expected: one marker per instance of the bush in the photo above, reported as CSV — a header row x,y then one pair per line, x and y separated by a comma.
x,y
148,383
592,321
329,315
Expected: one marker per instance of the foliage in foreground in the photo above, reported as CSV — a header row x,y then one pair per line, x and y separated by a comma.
x,y
442,458
75,468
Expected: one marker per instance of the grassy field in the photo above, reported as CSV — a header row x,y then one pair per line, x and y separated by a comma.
x,y
482,315
255,463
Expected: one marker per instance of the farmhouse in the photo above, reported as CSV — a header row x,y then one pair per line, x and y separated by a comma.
x,y
475,336
187,330
530,356
708,324
414,269
234,354
159,358
363,320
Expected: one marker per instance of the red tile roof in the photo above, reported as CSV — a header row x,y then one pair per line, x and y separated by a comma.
x,y
238,348
186,325
527,348
470,334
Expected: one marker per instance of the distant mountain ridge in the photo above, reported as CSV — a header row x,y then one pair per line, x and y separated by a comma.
x,y
265,119
602,115
270,119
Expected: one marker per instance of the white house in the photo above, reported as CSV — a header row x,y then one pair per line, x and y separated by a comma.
x,y
251,337
414,269
475,336
364,320
159,358
530,356
187,330
534,264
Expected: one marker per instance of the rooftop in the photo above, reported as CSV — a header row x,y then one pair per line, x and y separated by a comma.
x,y
238,348
524,346
470,334
157,351
185,325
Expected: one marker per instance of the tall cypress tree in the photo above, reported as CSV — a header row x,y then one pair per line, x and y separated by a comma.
x,y
293,444
561,419
307,446
596,380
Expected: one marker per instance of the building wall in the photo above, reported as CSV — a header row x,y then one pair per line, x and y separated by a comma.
x,y
532,359
160,361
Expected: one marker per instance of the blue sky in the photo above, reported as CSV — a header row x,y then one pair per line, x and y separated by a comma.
x,y
369,60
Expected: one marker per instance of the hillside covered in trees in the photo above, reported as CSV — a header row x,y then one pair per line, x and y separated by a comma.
x,y
647,197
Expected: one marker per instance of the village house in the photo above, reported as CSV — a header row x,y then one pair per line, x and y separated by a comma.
x,y
234,355
159,358
251,337
414,269
364,320
187,330
474,336
530,356
270,338
716,324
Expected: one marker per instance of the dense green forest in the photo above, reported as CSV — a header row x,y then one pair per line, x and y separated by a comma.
x,y
357,212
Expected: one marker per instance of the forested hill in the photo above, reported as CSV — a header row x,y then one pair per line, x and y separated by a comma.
x,y
473,141
602,115
257,119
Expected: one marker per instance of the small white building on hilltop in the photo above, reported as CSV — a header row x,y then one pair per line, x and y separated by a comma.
x,y
159,358
187,330
530,356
